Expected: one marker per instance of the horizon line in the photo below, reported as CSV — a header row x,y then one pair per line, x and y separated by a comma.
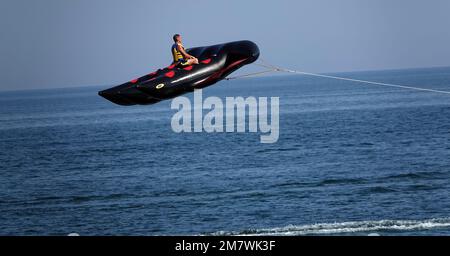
x,y
271,75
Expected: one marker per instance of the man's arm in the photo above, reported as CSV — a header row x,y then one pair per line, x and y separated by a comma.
x,y
185,54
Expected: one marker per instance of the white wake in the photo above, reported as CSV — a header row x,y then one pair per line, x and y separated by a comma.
x,y
346,227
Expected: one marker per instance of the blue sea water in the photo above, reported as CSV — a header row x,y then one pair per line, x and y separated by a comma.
x,y
352,159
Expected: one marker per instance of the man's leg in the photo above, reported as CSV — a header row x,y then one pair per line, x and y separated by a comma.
x,y
192,61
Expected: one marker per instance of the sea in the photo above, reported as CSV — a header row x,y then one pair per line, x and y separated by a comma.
x,y
351,159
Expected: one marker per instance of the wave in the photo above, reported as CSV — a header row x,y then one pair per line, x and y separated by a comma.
x,y
345,227
418,175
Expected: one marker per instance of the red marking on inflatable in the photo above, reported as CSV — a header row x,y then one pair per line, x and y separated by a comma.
x,y
134,81
206,61
188,68
171,66
220,72
170,74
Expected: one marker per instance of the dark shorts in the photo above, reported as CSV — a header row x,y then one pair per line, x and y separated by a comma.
x,y
182,62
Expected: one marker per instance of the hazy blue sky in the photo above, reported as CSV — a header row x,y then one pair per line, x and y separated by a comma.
x,y
61,43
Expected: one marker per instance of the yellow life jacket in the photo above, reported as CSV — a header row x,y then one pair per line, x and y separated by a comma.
x,y
176,54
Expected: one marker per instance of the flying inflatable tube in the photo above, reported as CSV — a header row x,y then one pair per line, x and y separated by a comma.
x,y
215,63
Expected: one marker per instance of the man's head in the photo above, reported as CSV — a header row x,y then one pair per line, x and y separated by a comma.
x,y
176,38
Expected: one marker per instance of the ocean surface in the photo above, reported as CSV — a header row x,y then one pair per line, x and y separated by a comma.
x,y
351,159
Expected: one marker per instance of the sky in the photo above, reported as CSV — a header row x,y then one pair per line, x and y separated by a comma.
x,y
54,43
